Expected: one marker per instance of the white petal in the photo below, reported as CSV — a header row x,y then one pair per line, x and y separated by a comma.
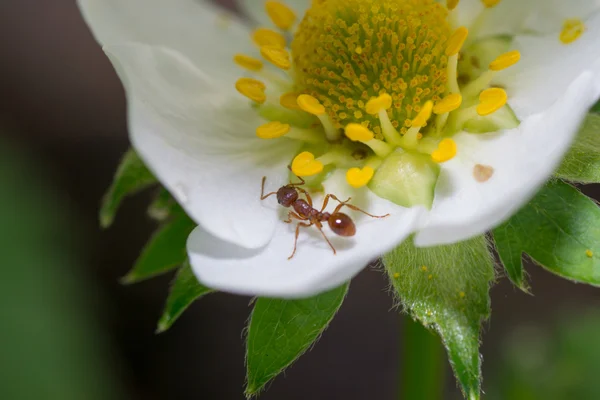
x,y
549,15
314,268
523,159
548,67
255,9
200,142
209,37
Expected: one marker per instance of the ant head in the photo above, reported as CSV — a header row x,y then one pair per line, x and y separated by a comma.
x,y
341,224
286,196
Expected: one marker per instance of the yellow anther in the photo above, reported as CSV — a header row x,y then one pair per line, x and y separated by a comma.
x,y
490,3
424,268
305,165
448,104
589,253
446,151
268,37
572,30
396,275
491,100
277,56
358,133
505,60
358,178
462,295
272,130
377,104
281,15
451,4
310,104
247,62
423,115
456,41
290,101
358,50
252,89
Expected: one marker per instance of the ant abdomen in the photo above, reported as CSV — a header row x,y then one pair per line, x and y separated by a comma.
x,y
341,224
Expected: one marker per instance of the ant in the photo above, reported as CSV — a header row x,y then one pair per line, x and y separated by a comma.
x,y
340,223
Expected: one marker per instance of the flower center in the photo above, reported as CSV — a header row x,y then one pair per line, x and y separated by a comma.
x,y
378,88
347,52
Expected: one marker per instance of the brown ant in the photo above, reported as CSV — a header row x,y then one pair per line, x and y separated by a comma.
x,y
340,223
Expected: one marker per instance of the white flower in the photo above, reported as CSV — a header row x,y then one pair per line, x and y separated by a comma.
x,y
198,135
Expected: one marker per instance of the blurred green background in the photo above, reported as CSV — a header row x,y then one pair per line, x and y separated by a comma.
x,y
71,331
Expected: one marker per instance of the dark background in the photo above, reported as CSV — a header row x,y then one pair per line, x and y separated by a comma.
x,y
61,102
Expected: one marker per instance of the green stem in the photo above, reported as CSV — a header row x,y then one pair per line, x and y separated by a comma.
x,y
423,369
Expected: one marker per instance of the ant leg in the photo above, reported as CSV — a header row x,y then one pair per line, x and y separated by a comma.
x,y
300,224
325,202
262,190
353,207
302,181
291,215
308,198
326,239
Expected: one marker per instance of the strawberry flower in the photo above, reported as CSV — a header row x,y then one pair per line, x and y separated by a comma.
x,y
446,116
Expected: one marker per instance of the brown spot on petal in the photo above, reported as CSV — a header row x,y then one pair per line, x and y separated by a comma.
x,y
482,173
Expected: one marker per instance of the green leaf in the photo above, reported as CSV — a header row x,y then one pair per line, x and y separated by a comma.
x,y
560,229
446,289
582,162
280,331
165,251
185,289
131,177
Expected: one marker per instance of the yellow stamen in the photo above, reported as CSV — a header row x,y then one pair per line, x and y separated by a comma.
x,y
572,30
505,60
491,100
456,41
490,3
281,15
358,178
423,115
310,104
290,101
305,165
589,253
412,137
277,56
446,151
252,89
451,4
360,133
247,62
272,130
268,37
396,275
377,104
448,104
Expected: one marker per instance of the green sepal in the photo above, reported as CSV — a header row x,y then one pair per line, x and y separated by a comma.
x,y
446,289
582,162
559,229
165,251
131,177
185,289
163,206
280,331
